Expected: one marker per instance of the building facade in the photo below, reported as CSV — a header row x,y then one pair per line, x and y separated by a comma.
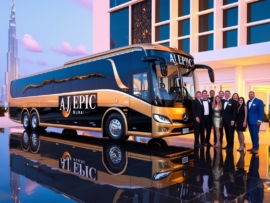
x,y
12,55
231,36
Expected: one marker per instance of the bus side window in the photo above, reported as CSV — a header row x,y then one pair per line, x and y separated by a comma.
x,y
136,60
13,89
141,86
34,83
62,83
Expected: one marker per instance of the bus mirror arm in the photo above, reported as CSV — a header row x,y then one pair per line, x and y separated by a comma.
x,y
200,66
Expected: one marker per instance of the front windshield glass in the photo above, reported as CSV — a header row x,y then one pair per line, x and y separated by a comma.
x,y
173,87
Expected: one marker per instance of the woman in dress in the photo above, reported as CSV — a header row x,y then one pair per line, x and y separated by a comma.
x,y
235,97
217,118
241,122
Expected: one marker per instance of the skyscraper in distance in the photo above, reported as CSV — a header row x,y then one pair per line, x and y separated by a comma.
x,y
12,55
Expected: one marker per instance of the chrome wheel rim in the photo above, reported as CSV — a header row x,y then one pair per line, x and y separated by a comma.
x,y
115,128
34,140
115,155
25,120
25,139
34,121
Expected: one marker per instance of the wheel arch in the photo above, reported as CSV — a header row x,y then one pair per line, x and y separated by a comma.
x,y
35,110
22,112
106,115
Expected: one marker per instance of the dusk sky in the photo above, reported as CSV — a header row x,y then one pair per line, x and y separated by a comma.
x,y
49,33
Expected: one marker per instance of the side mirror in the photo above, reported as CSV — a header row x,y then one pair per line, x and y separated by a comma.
x,y
211,75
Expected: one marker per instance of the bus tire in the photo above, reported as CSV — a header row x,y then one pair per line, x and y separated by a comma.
x,y
115,127
34,121
26,121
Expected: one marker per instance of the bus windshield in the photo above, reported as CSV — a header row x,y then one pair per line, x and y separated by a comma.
x,y
177,85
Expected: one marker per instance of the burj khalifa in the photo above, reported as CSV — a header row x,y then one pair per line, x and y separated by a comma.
x,y
12,55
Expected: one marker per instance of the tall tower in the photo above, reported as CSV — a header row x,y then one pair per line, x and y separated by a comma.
x,y
12,55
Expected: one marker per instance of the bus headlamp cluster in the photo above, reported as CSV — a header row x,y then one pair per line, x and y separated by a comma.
x,y
161,175
161,119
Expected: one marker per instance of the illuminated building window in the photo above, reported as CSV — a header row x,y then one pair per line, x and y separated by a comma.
x,y
163,32
206,42
259,10
206,22
114,3
183,27
184,45
230,17
225,2
119,32
230,38
205,4
162,10
258,33
183,7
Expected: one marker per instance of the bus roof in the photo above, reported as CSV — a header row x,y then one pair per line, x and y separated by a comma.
x,y
142,46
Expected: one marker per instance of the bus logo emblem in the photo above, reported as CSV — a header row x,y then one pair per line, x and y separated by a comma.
x,y
185,116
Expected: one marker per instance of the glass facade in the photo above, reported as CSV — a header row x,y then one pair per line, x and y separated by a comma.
x,y
206,42
162,10
184,45
230,38
119,32
206,22
230,17
205,4
163,32
258,33
183,27
259,10
114,3
225,2
183,7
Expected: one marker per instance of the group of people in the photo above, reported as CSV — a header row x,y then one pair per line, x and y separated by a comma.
x,y
229,113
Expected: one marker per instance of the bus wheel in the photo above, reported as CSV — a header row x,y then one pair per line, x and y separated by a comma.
x,y
34,121
115,127
26,121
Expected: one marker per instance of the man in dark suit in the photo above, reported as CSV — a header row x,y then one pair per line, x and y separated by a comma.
x,y
255,115
197,114
221,95
229,107
212,95
207,119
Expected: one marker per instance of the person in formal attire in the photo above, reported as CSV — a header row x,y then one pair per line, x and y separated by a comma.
x,y
254,117
241,122
198,114
212,95
229,113
235,96
221,95
207,119
217,118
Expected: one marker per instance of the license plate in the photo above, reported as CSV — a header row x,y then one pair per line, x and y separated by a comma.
x,y
185,130
184,159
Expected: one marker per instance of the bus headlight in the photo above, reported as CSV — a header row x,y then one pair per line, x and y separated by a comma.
x,y
161,175
161,119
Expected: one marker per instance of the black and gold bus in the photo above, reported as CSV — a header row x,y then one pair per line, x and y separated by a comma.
x,y
138,90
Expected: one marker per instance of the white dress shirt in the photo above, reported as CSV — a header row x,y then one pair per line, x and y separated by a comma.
x,y
250,103
206,107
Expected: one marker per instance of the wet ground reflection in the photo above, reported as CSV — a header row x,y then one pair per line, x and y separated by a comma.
x,y
49,166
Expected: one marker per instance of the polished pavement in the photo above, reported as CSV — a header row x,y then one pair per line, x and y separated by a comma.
x,y
49,167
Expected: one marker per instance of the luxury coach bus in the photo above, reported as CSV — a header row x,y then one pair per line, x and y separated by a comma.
x,y
138,90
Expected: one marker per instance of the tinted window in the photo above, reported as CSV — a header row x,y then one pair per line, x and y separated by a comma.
x,y
183,27
84,76
136,60
114,3
141,86
21,85
46,88
225,2
119,27
259,10
62,80
205,4
33,82
258,33
183,45
163,32
230,17
206,42
206,22
105,68
183,7
230,38
13,89
162,10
